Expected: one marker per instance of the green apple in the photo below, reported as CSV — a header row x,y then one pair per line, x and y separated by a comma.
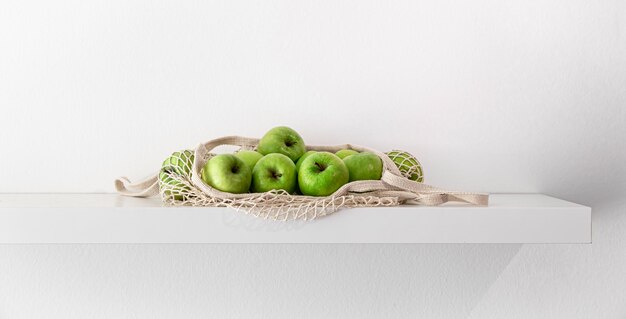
x,y
274,171
177,166
321,174
227,173
408,165
345,153
364,166
301,159
179,162
283,140
249,157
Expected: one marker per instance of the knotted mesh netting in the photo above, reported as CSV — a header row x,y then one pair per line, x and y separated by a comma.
x,y
408,165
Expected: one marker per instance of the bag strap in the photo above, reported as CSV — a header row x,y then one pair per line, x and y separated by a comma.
x,y
429,195
145,188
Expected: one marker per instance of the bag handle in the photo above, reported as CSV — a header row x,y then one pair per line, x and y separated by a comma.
x,y
145,188
429,195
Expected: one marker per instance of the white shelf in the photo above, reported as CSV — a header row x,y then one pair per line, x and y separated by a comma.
x,y
110,218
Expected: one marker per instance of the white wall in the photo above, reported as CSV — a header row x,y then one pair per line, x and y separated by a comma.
x,y
499,96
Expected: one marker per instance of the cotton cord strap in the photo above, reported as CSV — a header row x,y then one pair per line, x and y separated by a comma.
x,y
144,188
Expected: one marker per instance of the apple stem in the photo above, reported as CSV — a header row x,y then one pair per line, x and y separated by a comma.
x,y
320,166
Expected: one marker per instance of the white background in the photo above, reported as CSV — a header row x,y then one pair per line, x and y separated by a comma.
x,y
498,96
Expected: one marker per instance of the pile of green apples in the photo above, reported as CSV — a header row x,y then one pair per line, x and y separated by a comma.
x,y
281,162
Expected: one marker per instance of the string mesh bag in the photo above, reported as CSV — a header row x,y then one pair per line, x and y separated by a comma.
x,y
179,183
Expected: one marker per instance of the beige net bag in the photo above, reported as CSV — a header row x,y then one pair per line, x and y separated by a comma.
x,y
180,184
